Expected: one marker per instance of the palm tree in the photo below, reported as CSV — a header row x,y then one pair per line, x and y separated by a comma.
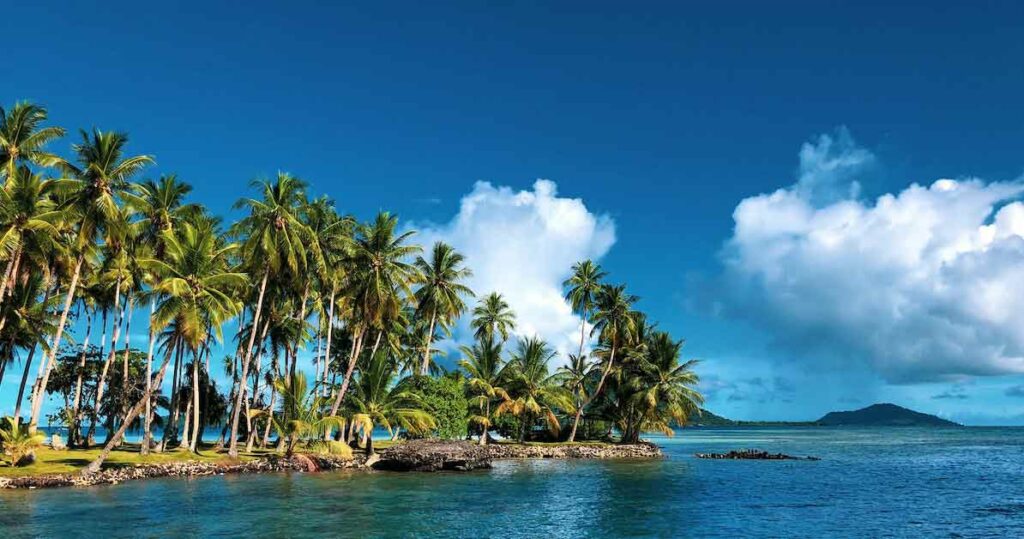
x,y
492,316
614,320
485,372
300,417
197,291
662,389
533,391
583,286
275,241
574,378
440,292
28,216
380,284
100,176
377,400
22,138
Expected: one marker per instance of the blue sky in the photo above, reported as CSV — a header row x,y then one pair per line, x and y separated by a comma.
x,y
661,119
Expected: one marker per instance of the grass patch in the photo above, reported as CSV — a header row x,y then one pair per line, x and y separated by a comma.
x,y
49,461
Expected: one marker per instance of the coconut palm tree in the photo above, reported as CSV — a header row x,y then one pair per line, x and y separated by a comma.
x,y
377,400
275,241
583,288
23,138
197,292
301,417
380,285
492,317
485,373
28,218
574,378
99,175
661,389
440,292
534,392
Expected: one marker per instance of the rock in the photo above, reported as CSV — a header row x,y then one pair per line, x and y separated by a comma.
x,y
57,443
641,450
433,456
751,454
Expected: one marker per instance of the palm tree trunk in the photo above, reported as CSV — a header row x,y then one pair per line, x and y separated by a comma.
x,y
233,447
295,346
171,428
37,404
579,407
147,433
129,418
196,434
356,350
127,340
119,316
76,418
186,432
330,331
426,346
487,415
24,380
600,385
270,411
9,272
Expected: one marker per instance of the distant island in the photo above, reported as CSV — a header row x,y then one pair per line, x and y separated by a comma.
x,y
876,415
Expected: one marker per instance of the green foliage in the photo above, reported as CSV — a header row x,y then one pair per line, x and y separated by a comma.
x,y
18,443
332,448
445,399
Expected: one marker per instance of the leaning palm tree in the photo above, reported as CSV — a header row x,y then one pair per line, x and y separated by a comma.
x,y
197,291
440,292
99,176
574,378
380,285
492,316
275,241
534,392
583,286
23,138
377,400
485,373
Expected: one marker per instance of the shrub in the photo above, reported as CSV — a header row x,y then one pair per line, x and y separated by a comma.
x,y
333,448
445,399
18,444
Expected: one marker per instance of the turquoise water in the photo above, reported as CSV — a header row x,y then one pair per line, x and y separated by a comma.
x,y
870,483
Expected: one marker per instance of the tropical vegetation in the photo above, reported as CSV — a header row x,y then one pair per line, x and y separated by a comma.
x,y
295,328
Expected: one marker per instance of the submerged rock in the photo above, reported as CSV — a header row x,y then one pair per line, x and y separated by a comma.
x,y
751,454
433,456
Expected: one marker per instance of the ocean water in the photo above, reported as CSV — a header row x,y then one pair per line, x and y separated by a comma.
x,y
870,483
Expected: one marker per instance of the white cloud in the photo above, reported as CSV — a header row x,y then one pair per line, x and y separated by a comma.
x,y
922,285
523,245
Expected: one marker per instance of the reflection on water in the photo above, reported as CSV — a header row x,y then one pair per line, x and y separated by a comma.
x,y
871,482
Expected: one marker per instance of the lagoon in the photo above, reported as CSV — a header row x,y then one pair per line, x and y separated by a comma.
x,y
899,482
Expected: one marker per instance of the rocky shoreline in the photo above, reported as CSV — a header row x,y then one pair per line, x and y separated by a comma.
x,y
418,455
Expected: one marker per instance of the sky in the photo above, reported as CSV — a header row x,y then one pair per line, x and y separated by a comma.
x,y
822,198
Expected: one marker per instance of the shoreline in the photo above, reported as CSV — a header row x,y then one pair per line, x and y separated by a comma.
x,y
414,456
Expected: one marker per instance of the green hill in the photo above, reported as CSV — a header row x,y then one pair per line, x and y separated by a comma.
x,y
884,415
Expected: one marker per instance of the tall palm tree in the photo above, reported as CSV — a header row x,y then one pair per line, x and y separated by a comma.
x,y
23,138
583,288
100,175
440,292
614,320
197,295
492,317
381,284
485,374
534,392
275,241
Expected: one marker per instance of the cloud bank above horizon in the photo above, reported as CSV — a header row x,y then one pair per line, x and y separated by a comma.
x,y
523,244
922,285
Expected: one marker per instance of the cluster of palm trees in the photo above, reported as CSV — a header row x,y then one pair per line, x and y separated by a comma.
x,y
86,244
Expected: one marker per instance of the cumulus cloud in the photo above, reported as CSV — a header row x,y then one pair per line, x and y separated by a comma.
x,y
523,245
921,285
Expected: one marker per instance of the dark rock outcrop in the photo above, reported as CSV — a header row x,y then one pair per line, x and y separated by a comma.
x,y
751,454
433,456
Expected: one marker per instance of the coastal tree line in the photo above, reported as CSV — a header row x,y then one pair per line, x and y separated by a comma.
x,y
88,241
